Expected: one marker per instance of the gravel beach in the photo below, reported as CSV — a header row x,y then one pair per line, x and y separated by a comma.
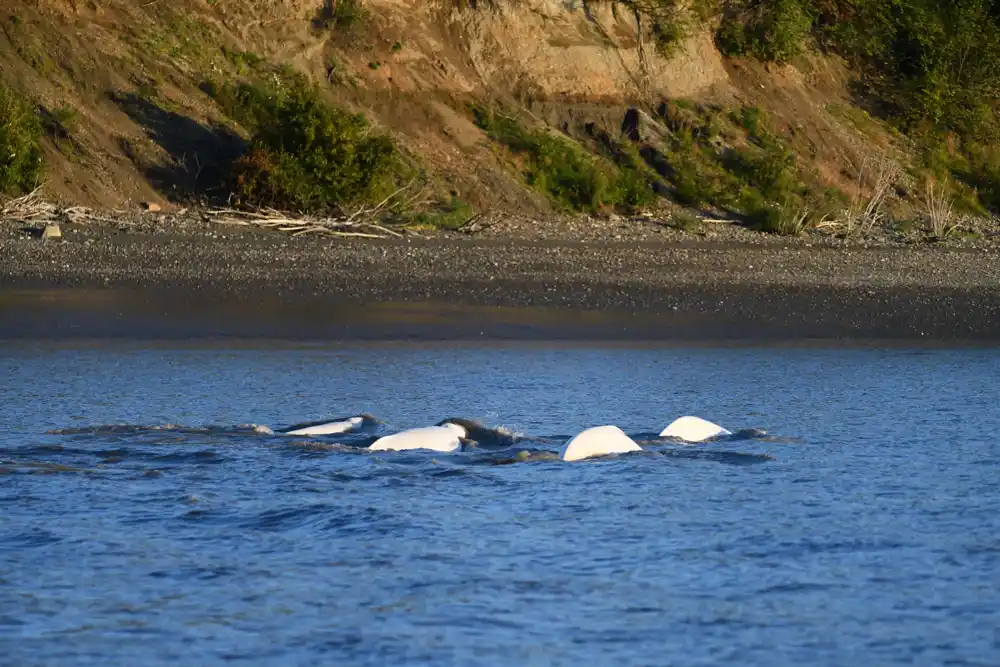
x,y
202,281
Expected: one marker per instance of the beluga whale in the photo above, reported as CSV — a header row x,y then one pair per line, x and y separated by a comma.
x,y
446,436
693,429
331,426
598,441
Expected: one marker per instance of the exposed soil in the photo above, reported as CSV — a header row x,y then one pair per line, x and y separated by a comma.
x,y
127,81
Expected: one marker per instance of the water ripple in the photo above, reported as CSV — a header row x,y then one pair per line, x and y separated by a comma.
x,y
860,530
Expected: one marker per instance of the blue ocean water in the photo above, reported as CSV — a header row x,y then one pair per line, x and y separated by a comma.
x,y
142,522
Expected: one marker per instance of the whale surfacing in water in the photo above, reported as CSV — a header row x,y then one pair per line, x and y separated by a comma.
x,y
330,427
598,441
693,429
446,437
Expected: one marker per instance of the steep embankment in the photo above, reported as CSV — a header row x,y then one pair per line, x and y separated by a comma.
x,y
122,90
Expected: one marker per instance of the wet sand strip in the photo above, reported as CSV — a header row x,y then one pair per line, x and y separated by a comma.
x,y
467,311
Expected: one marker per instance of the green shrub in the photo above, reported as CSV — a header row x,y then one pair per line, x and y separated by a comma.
x,y
340,15
788,218
670,21
570,176
920,63
972,172
771,171
244,61
632,190
66,116
915,58
745,178
685,221
667,20
20,144
668,34
249,104
304,153
753,120
698,179
448,215
773,30
984,175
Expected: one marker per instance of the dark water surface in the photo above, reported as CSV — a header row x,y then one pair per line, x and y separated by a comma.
x,y
142,522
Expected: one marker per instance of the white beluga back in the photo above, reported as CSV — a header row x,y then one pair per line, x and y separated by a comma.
x,y
445,437
693,429
598,441
331,427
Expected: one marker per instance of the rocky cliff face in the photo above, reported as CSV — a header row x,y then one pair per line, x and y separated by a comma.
x,y
582,52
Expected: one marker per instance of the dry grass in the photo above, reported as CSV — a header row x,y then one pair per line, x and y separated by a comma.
x,y
795,220
879,174
938,210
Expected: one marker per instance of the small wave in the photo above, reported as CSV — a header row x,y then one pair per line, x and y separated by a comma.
x,y
316,446
654,438
798,587
41,468
125,429
142,429
523,456
200,456
323,516
28,540
715,456
451,472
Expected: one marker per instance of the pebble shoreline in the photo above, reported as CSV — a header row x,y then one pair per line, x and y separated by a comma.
x,y
640,286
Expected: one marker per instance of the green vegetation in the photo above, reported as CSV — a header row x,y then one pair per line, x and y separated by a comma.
x,y
568,174
733,161
671,21
929,67
148,88
303,153
182,38
711,157
447,215
773,30
66,116
786,218
668,20
28,44
20,148
341,16
245,62
685,221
